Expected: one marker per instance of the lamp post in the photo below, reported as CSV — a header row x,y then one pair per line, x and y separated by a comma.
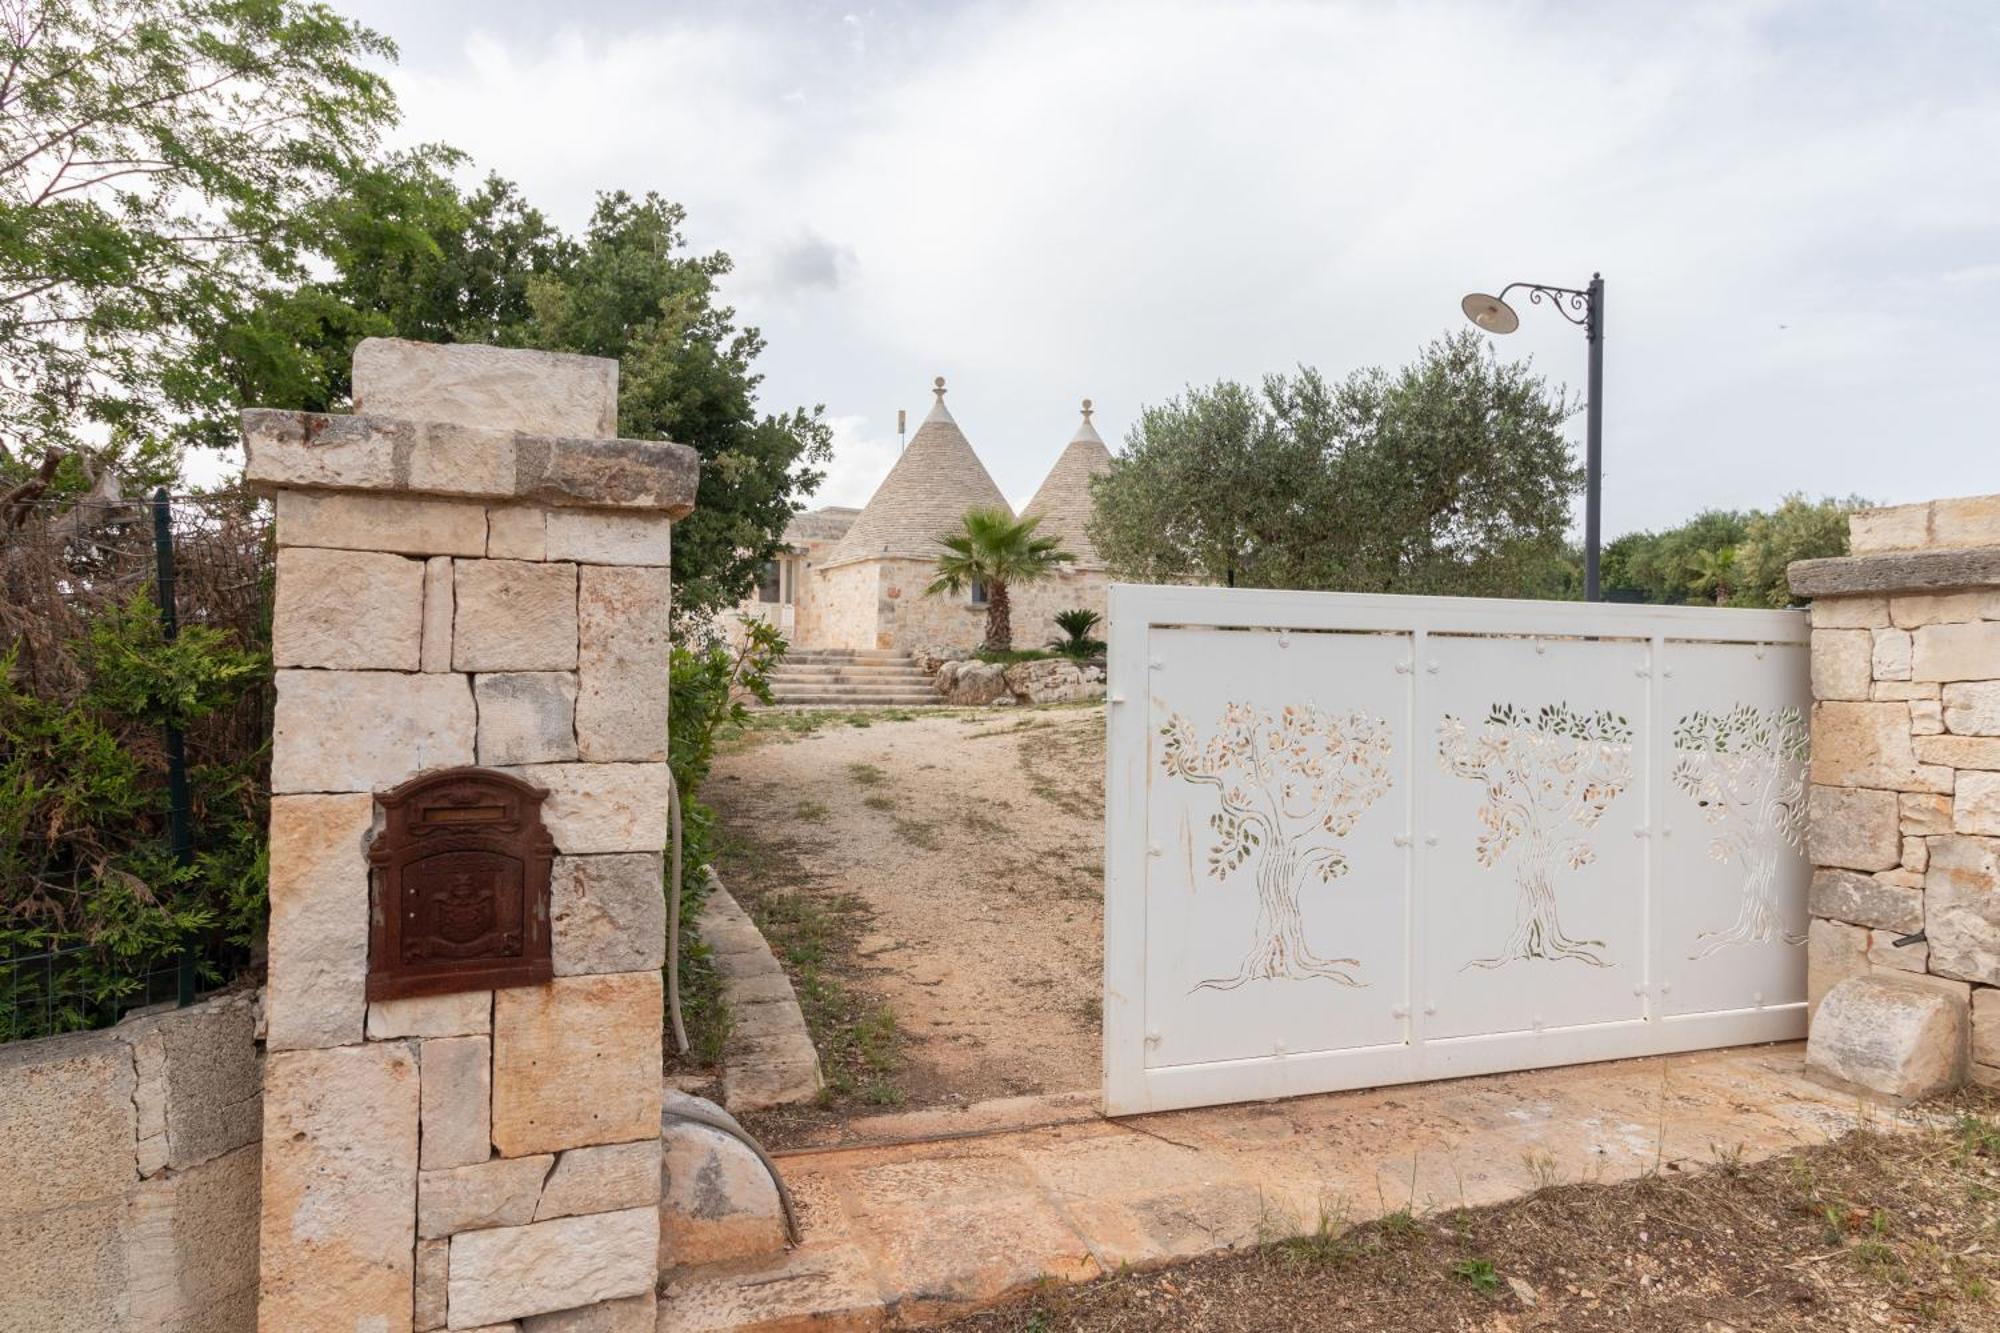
x,y
1586,308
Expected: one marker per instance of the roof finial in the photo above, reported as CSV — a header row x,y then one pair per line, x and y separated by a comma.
x,y
1086,409
937,387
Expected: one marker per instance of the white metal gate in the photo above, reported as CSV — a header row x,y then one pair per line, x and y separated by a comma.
x,y
1355,840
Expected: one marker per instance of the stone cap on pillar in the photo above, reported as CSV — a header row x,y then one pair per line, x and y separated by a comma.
x,y
1916,548
505,388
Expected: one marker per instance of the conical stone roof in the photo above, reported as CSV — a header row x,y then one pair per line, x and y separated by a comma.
x,y
1063,503
924,496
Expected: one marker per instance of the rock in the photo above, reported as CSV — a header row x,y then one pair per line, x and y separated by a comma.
x,y
338,1227
1916,855
1869,745
1853,828
513,615
1962,908
575,1063
1960,751
1970,520
199,1068
351,610
514,1272
1835,951
1849,612
462,1014
1890,1037
68,1134
633,1314
1889,528
1847,896
932,658
717,1200
1986,1026
972,683
1892,654
1946,608
433,1268
366,731
602,1180
457,1102
1884,951
526,717
405,524
1923,814
1841,663
1972,708
1885,691
436,651
1957,652
517,532
606,537
309,449
318,933
543,393
608,913
497,1193
1976,806
603,807
1053,680
1926,719
622,647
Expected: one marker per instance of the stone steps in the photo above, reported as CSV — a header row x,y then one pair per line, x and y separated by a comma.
x,y
911,700
850,678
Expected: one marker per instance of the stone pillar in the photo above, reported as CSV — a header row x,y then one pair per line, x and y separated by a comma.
x,y
469,572
1904,820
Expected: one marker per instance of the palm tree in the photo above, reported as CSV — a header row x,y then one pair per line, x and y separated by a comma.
x,y
997,550
1714,575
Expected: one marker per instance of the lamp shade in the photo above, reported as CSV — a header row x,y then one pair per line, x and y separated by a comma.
x,y
1490,313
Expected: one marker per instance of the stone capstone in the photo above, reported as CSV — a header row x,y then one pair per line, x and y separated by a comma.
x,y
608,913
366,731
526,717
349,610
514,1272
576,1063
1890,1037
1962,908
544,393
514,615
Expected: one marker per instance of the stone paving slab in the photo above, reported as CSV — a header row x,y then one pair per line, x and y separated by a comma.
x,y
768,1059
899,1234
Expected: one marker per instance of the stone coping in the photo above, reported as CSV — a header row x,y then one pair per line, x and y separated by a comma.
x,y
768,1058
1896,572
287,450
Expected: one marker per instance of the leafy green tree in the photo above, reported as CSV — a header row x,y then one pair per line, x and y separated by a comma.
x,y
1729,557
998,551
157,158
1449,476
1798,529
1714,577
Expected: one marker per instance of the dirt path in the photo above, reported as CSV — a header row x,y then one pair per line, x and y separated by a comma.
x,y
944,868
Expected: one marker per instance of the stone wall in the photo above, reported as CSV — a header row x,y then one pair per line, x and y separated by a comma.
x,y
1036,604
128,1175
454,591
1904,814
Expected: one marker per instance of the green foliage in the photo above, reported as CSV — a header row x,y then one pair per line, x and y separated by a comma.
x,y
1450,476
1077,640
1726,557
1480,1273
993,548
157,161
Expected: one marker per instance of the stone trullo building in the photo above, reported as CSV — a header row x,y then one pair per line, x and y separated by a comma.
x,y
855,579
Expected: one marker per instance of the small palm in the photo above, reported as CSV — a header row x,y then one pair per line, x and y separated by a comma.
x,y
994,548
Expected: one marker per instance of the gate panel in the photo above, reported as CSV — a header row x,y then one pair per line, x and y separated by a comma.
x,y
1358,840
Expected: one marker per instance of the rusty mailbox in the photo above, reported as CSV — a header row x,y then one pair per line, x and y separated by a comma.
x,y
459,886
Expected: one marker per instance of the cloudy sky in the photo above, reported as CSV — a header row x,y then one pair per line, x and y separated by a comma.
x,y
1796,206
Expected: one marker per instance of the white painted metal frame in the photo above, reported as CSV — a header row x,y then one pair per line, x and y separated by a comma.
x,y
1763,652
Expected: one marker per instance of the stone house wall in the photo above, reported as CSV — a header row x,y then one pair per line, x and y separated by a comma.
x,y
1904,814
128,1175
1036,604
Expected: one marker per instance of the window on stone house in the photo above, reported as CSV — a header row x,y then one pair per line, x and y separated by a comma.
x,y
978,592
769,582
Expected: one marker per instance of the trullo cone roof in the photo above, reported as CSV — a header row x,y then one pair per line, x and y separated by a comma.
x,y
1063,503
924,496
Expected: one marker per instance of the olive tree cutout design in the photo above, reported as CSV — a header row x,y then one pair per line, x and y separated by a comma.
x,y
1746,769
1549,776
1291,787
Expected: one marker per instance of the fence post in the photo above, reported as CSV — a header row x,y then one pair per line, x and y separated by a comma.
x,y
177,785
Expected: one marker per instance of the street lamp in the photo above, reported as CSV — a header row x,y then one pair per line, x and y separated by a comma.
x,y
1585,307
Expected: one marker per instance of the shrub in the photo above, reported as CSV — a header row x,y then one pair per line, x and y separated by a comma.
x,y
1076,627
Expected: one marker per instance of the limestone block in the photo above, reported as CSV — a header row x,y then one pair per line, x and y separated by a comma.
x,y
1986,1026
623,638
717,1200
517,532
1935,608
602,1180
603,807
1844,895
576,1063
634,1314
461,1014
450,458
1972,520
1835,951
514,1272
1884,952
1926,719
457,1101
318,934
526,717
436,655
545,393
624,474
1890,1037
608,913
604,537
351,610
1962,908
499,1193
1972,708
1841,663
1916,854
1980,752
70,1128
403,524
1868,745
306,449
337,1240
1849,612
66,1268
205,1078
514,615
1900,878
433,1272
1886,690
1922,814
1976,807
1853,828
366,731
1892,654
191,1246
1889,528
1957,652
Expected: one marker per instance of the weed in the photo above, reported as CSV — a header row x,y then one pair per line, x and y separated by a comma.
x,y
810,812
1543,1170
879,802
918,833
1329,1242
866,775
1480,1273
1728,1160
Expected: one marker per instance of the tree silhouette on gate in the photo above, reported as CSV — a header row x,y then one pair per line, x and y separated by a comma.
x,y
1549,776
1291,787
1746,769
